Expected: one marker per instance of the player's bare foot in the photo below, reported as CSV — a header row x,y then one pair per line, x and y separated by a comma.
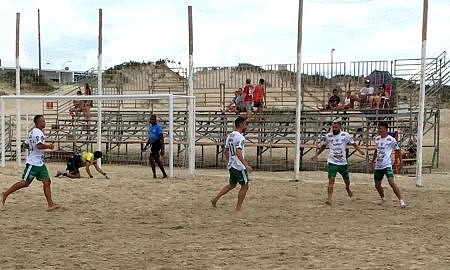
x,y
3,198
328,202
214,203
53,207
238,208
349,192
154,176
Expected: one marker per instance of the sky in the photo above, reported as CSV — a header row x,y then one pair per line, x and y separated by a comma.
x,y
226,33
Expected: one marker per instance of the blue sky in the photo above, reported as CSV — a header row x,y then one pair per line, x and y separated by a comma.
x,y
225,32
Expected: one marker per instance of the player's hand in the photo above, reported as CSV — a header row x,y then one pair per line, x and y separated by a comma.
x,y
372,165
161,152
249,168
51,146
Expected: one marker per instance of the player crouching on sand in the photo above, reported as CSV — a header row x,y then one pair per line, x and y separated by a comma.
x,y
237,166
77,161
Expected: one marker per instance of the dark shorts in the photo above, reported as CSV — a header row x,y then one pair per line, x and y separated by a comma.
x,y
237,176
38,172
73,164
155,148
378,175
258,104
334,169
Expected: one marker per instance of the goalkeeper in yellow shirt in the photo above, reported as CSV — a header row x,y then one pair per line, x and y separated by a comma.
x,y
77,161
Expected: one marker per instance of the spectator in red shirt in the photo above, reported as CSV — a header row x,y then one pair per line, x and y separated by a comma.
x,y
248,97
258,96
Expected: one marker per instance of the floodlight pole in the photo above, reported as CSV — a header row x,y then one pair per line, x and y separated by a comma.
x,y
100,85
191,107
18,122
39,41
299,100
420,119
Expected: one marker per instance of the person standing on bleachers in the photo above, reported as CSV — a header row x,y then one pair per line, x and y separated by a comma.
x,y
258,96
248,97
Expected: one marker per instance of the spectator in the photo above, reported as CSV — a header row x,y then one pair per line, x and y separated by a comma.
x,y
333,101
348,102
232,106
258,96
248,97
77,106
365,93
87,103
239,103
375,100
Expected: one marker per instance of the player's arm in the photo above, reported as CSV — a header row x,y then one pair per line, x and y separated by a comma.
x,y
319,151
400,158
88,170
43,146
357,148
162,145
99,170
372,163
242,159
226,153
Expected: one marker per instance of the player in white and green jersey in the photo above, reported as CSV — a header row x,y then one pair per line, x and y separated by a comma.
x,y
382,163
35,167
337,141
237,166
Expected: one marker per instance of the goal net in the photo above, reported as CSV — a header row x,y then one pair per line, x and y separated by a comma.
x,y
117,125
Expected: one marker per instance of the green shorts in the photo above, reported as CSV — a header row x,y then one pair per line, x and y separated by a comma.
x,y
333,169
30,172
237,176
379,174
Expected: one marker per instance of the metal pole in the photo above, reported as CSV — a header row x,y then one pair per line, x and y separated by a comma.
x,y
99,86
3,135
191,107
170,135
420,123
332,51
18,148
299,92
39,41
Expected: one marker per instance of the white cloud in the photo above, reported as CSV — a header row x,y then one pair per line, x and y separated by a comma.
x,y
225,32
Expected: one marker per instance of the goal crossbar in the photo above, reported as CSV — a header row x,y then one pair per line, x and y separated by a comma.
x,y
169,97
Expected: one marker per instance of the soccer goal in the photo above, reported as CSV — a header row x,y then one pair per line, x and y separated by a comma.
x,y
112,122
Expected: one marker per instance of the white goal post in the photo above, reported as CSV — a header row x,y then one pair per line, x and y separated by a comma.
x,y
169,97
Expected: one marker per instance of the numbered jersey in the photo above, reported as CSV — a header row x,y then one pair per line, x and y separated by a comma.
x,y
338,145
35,155
385,146
235,141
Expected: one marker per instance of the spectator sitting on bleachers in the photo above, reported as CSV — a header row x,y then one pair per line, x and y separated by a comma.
x,y
239,103
348,102
232,106
77,106
333,101
375,100
365,93
87,105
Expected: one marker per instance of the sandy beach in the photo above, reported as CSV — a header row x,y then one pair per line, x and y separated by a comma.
x,y
135,222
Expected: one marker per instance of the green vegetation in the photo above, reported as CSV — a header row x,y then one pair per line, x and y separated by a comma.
x,y
29,80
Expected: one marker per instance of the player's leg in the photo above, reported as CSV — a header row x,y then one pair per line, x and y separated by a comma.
x,y
152,164
244,188
332,172
378,177
42,175
390,177
160,164
27,177
234,179
343,170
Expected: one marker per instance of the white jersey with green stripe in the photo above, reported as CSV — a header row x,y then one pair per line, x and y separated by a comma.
x,y
35,155
235,141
